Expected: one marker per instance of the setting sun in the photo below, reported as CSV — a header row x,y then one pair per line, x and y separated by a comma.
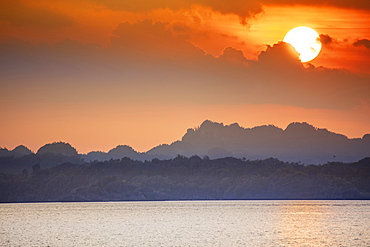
x,y
305,41
98,74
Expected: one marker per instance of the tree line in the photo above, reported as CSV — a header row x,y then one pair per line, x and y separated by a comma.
x,y
186,178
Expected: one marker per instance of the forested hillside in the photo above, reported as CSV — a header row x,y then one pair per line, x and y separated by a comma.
x,y
185,178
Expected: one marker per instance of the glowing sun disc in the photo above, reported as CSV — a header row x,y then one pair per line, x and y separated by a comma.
x,y
305,41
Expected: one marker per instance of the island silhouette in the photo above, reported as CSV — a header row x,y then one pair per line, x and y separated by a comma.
x,y
299,142
212,161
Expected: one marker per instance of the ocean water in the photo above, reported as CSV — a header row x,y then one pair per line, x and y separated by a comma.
x,y
186,223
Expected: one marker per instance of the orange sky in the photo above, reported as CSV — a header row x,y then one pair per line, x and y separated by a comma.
x,y
99,73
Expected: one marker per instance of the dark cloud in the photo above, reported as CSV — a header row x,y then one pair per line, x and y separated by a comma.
x,y
278,77
281,56
20,14
337,3
326,40
149,63
362,42
180,28
239,7
148,39
143,5
286,81
234,56
244,9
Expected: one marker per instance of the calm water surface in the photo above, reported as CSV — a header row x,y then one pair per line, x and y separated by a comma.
x,y
187,223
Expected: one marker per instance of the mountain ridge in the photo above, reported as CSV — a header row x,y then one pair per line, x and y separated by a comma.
x,y
298,142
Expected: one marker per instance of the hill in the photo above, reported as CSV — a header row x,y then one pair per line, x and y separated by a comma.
x,y
185,178
19,151
58,148
116,153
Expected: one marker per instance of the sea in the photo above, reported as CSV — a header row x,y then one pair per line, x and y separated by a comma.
x,y
187,223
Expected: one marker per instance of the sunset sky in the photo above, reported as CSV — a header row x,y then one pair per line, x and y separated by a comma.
x,y
99,73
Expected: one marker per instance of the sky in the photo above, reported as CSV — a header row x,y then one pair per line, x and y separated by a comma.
x,y
102,73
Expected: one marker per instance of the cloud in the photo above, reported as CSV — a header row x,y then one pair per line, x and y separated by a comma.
x,y
326,40
362,42
239,7
147,39
149,62
335,3
143,5
243,9
281,56
20,14
234,56
277,77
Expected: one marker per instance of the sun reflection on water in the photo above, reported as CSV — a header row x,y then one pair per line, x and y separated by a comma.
x,y
305,223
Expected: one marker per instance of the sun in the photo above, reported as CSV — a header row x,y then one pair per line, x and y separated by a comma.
x,y
305,41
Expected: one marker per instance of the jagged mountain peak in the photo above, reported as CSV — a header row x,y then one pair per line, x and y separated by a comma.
x,y
209,125
299,126
267,129
234,125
